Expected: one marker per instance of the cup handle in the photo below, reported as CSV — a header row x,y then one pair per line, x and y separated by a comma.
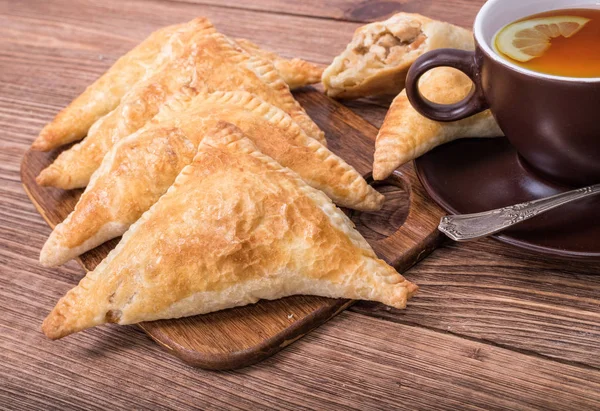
x,y
458,59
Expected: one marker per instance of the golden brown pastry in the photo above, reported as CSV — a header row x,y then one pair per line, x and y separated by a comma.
x,y
214,61
164,45
140,168
74,121
406,135
234,228
378,58
295,72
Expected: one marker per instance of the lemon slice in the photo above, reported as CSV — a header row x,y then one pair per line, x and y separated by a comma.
x,y
528,39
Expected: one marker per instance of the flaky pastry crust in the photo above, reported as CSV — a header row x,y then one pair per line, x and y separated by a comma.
x,y
234,228
104,95
140,168
211,60
295,72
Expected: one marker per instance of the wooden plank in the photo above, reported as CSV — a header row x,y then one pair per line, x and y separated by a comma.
x,y
459,12
33,88
353,362
509,296
86,29
535,306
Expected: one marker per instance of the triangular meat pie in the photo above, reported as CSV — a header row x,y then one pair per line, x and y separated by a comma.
x,y
234,228
140,168
74,121
214,61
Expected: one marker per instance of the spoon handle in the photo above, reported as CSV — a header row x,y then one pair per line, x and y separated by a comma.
x,y
467,227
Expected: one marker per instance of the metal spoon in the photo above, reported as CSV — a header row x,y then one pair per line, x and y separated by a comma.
x,y
468,227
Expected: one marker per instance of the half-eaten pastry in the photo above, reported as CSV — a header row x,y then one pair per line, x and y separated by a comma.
x,y
378,58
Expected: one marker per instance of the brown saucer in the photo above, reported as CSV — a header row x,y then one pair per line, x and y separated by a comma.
x,y
474,175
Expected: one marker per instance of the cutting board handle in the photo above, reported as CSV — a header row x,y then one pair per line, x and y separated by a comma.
x,y
423,217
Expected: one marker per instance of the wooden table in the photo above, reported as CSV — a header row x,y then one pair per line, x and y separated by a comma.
x,y
493,326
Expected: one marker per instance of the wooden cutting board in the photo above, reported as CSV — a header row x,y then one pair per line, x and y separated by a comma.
x,y
402,233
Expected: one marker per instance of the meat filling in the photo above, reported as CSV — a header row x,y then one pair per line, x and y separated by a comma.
x,y
380,47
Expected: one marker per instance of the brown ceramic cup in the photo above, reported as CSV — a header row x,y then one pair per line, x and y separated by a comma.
x,y
552,121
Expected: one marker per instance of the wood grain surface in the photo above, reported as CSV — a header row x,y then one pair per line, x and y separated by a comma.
x,y
493,327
